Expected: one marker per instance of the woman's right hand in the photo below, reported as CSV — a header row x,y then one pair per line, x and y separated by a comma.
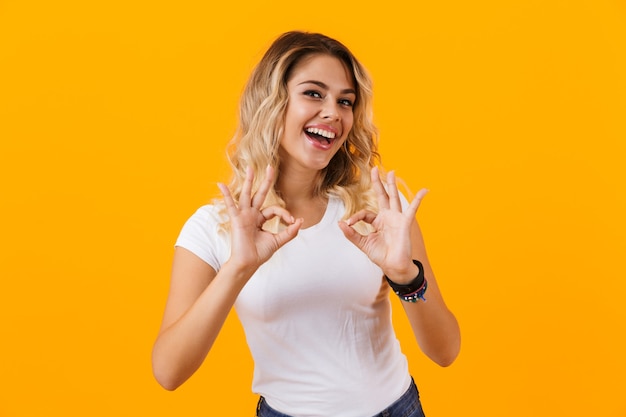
x,y
201,298
251,245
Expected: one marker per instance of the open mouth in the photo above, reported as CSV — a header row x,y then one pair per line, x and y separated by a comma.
x,y
324,137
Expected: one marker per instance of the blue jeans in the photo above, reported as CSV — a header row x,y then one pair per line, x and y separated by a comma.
x,y
408,405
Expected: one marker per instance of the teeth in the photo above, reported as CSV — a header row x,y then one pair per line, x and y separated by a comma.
x,y
325,133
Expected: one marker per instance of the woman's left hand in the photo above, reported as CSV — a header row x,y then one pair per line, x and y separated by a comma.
x,y
389,245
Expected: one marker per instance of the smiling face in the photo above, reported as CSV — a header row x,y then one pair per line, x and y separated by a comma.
x,y
319,113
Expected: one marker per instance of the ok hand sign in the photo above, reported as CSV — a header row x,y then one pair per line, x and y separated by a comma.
x,y
251,245
389,245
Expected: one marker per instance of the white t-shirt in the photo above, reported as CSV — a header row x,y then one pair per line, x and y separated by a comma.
x,y
317,320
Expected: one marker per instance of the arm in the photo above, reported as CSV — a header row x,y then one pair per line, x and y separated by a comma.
x,y
395,242
435,327
198,303
201,298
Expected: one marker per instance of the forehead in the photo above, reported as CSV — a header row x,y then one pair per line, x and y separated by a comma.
x,y
322,67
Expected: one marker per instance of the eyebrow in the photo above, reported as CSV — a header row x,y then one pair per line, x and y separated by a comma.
x,y
325,87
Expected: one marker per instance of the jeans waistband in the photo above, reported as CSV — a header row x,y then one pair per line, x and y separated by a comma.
x,y
408,405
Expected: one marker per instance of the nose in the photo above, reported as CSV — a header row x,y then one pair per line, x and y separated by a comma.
x,y
330,110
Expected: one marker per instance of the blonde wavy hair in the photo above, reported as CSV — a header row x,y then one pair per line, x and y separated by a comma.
x,y
262,111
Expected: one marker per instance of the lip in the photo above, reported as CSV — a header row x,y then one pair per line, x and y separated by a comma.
x,y
323,145
319,144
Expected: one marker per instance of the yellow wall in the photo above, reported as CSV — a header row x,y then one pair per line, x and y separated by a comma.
x,y
113,120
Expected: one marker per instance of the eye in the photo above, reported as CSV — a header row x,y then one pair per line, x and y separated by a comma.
x,y
345,102
312,93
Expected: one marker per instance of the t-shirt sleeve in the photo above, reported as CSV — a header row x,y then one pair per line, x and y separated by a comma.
x,y
204,236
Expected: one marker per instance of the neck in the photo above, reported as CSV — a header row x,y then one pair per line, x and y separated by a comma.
x,y
297,185
298,193
296,189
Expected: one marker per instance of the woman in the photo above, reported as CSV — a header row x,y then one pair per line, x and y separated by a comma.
x,y
305,244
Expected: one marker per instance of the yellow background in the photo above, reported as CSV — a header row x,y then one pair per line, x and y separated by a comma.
x,y
114,116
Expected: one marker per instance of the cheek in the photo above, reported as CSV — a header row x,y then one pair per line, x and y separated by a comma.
x,y
296,116
348,122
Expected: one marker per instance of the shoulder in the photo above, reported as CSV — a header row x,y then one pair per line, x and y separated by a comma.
x,y
208,216
205,234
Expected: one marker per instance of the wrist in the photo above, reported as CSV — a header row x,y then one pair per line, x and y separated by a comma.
x,y
413,290
238,273
404,277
